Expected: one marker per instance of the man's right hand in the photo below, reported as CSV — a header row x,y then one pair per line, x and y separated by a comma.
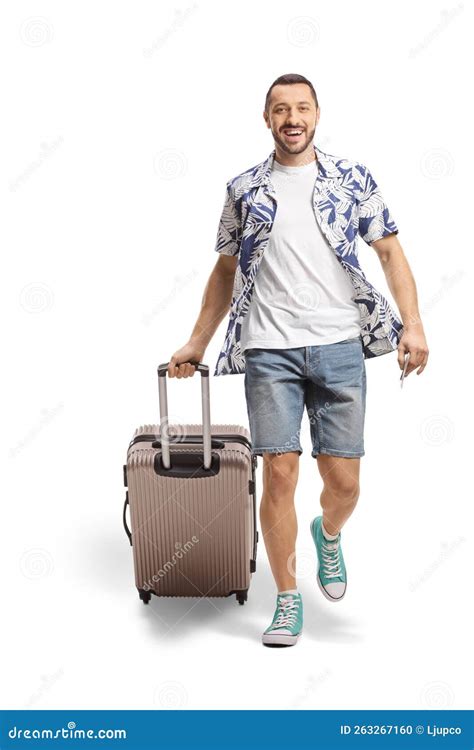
x,y
179,365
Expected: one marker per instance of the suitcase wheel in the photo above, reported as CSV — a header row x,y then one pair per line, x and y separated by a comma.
x,y
145,596
241,596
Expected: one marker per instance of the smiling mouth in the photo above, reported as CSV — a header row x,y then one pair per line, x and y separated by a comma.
x,y
293,134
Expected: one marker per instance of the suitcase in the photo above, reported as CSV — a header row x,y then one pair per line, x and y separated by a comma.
x,y
191,494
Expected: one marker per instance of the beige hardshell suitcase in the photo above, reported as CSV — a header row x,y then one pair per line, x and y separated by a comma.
x,y
192,497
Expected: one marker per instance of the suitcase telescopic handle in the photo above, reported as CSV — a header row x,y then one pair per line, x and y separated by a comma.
x,y
206,413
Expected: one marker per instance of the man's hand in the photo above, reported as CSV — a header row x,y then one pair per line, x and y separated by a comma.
x,y
413,340
179,365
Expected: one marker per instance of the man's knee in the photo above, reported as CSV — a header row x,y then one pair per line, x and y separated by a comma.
x,y
280,472
345,486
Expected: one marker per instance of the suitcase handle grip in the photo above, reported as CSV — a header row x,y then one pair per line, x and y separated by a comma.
x,y
206,413
125,524
203,369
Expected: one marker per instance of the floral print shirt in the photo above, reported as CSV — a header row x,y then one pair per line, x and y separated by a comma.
x,y
347,202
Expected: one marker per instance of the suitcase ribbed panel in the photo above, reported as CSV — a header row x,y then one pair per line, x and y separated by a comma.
x,y
191,536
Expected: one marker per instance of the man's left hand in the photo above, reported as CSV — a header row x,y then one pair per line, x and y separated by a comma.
x,y
413,341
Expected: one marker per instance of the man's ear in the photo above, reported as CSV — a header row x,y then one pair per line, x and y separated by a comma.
x,y
266,118
318,112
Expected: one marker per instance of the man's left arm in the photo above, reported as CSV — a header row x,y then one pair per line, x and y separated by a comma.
x,y
403,288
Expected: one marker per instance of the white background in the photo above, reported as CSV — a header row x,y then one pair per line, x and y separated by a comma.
x,y
121,124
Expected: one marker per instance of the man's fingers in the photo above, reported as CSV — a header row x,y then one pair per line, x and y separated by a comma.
x,y
183,370
416,359
423,364
401,358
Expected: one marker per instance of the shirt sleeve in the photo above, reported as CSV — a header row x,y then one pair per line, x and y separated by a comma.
x,y
229,232
375,219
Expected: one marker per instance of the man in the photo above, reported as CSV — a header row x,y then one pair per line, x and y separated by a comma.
x,y
302,328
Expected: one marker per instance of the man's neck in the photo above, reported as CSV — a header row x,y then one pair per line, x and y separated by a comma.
x,y
295,160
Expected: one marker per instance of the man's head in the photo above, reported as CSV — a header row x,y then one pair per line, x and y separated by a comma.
x,y
291,104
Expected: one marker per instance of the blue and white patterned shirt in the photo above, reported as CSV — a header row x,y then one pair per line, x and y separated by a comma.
x,y
347,201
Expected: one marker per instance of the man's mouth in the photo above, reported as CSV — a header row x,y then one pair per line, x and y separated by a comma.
x,y
293,134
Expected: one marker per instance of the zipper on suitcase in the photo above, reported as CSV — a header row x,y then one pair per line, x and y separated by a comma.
x,y
225,437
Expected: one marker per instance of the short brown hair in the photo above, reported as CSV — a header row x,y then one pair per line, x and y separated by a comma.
x,y
289,78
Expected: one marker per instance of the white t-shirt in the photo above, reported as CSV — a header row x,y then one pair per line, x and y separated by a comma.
x,y
302,296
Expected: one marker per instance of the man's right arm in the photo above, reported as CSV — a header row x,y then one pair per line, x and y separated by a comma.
x,y
217,296
215,305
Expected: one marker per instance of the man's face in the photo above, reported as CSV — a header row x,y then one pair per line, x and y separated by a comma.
x,y
292,108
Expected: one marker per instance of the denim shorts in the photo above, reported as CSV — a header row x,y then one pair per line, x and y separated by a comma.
x,y
329,379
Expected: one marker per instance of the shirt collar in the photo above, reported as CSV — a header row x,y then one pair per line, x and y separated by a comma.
x,y
327,165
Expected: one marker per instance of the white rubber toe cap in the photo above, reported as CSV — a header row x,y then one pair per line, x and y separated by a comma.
x,y
334,592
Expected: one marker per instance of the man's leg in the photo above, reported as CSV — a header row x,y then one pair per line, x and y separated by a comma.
x,y
278,517
340,491
340,477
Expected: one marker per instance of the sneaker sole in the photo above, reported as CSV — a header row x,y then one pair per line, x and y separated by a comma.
x,y
321,587
279,640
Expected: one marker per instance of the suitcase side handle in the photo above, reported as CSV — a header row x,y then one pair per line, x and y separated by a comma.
x,y
125,524
206,413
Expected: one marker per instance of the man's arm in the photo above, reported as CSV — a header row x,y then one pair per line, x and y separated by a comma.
x,y
403,288
215,305
216,300
217,296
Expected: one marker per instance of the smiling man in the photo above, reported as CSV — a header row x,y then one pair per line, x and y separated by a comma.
x,y
303,319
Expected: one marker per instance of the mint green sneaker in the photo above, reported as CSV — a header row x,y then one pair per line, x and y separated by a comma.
x,y
287,622
331,575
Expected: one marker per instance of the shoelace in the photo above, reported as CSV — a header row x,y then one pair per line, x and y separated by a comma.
x,y
331,560
287,614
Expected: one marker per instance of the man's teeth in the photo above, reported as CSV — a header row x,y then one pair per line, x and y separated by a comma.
x,y
293,132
